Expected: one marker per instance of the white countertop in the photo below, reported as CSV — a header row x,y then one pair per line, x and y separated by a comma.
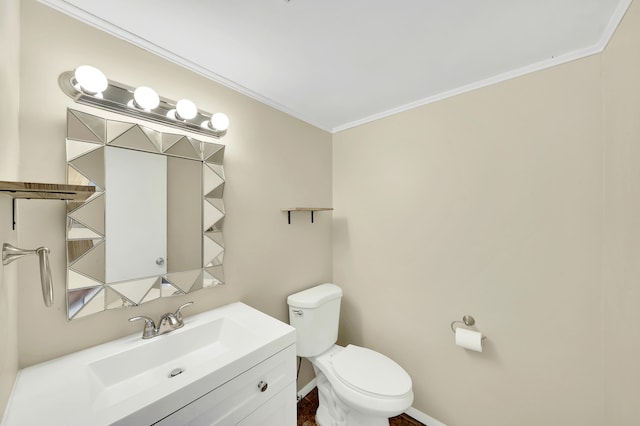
x,y
67,391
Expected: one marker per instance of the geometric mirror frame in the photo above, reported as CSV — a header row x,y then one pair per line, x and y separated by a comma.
x,y
153,228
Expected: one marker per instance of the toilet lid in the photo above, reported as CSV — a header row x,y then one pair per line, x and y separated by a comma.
x,y
371,372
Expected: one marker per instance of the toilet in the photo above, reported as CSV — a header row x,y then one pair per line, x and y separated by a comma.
x,y
356,386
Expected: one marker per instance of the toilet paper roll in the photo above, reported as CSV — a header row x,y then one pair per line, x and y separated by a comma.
x,y
469,339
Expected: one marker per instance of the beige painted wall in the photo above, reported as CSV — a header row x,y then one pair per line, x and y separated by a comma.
x,y
8,309
621,289
9,154
487,204
272,160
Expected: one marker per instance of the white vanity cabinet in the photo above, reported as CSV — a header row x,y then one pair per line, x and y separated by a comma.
x,y
235,364
264,395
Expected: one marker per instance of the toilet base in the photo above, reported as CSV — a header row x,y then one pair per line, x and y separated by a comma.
x,y
333,412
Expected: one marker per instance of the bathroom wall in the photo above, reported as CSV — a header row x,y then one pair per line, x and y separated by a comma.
x,y
9,101
8,308
487,204
272,161
621,291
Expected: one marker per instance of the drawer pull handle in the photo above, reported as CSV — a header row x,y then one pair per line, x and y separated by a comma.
x,y
263,386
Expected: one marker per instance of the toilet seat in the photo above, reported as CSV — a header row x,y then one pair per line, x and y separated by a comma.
x,y
377,403
370,372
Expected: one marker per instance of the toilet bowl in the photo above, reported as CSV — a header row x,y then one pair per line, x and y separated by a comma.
x,y
366,387
356,386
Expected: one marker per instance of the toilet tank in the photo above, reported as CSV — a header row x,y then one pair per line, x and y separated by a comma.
x,y
315,313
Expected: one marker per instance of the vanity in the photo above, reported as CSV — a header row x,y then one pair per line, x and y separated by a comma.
x,y
233,365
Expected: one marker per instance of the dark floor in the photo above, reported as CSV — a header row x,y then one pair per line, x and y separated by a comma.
x,y
309,404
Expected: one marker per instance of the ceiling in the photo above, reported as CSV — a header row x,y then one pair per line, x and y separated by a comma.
x,y
337,64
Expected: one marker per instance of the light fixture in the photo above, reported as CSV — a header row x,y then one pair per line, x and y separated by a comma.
x,y
219,122
90,80
186,110
146,98
89,86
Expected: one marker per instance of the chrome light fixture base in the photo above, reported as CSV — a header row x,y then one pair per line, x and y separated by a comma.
x,y
117,98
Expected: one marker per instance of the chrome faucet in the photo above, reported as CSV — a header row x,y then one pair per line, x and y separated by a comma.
x,y
168,322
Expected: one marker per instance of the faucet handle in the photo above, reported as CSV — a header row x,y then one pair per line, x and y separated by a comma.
x,y
149,326
178,312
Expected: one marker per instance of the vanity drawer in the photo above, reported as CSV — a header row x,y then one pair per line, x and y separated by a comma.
x,y
230,403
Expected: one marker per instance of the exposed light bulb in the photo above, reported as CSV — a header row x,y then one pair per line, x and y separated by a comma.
x,y
219,122
185,109
146,98
90,79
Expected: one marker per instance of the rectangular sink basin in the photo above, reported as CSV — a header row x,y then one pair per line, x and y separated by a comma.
x,y
127,381
123,374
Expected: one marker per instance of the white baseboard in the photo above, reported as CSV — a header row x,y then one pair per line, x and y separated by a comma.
x,y
416,414
423,418
306,389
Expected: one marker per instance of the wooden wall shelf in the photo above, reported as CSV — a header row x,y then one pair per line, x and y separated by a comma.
x,y
304,209
46,191
43,191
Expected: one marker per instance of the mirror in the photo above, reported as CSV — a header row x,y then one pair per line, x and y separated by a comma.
x,y
154,226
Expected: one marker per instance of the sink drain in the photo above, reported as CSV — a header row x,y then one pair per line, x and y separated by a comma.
x,y
175,372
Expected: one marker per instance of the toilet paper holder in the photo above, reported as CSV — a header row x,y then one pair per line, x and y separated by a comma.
x,y
467,320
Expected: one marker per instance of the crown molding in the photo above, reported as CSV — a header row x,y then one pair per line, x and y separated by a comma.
x,y
116,31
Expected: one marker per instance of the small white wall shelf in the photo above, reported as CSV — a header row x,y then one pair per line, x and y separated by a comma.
x,y
304,209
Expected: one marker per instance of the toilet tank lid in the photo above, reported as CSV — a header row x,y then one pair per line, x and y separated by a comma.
x,y
314,296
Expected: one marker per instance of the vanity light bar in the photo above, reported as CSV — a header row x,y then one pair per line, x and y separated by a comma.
x,y
88,86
